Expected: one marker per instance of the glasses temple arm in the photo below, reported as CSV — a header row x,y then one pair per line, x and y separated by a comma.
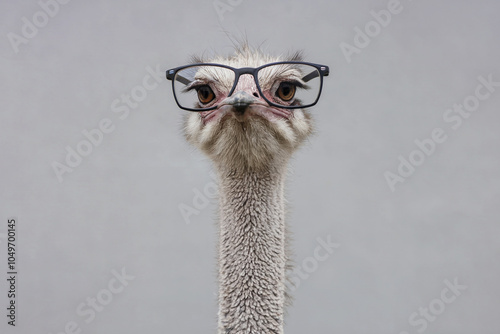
x,y
310,76
182,79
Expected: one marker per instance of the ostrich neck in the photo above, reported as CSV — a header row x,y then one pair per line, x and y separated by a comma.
x,y
252,254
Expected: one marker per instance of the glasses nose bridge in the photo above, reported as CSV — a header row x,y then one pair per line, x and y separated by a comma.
x,y
240,72
246,70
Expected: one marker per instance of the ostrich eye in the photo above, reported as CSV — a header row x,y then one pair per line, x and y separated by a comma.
x,y
286,91
205,94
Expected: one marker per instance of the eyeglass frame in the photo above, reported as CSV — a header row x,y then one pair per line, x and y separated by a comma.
x,y
323,71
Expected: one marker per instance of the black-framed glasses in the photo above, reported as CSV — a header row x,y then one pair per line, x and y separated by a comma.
x,y
286,84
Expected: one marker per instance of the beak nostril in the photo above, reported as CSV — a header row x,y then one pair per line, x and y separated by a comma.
x,y
255,94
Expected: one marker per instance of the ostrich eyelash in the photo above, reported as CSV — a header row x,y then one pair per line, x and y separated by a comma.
x,y
195,85
296,83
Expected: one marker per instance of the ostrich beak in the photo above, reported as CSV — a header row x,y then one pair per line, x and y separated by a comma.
x,y
242,105
234,105
240,102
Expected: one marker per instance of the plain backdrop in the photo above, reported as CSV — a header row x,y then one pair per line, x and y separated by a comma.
x,y
120,207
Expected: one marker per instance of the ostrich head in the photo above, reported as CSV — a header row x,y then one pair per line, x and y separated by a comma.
x,y
248,119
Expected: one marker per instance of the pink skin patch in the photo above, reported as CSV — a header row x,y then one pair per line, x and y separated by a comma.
x,y
258,107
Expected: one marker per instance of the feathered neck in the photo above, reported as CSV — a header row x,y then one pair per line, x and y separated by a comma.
x,y
252,257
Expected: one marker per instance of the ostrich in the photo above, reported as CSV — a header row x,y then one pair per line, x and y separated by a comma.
x,y
249,119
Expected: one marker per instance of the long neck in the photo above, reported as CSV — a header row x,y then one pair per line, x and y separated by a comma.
x,y
252,254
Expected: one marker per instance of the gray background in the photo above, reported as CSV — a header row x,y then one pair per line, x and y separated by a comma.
x,y
120,207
